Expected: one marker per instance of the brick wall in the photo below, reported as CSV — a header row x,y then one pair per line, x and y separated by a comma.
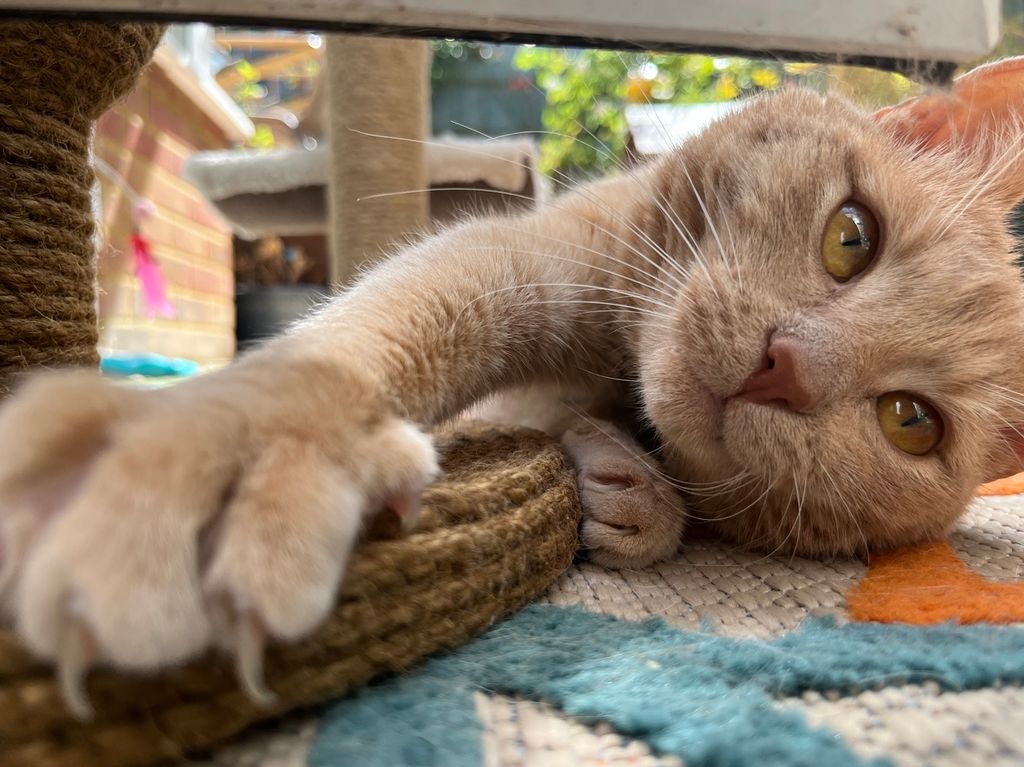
x,y
146,139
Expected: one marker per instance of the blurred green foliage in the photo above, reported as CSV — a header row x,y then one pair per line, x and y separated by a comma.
x,y
587,91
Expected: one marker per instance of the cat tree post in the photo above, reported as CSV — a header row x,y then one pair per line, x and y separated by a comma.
x,y
374,86
56,79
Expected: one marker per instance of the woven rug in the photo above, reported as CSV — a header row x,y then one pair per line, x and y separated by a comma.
x,y
913,660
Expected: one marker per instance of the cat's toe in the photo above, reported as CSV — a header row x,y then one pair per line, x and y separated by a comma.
x,y
629,522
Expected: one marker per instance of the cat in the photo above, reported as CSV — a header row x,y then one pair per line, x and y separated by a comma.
x,y
814,309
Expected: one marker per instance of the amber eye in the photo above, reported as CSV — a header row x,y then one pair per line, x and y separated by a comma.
x,y
909,423
851,239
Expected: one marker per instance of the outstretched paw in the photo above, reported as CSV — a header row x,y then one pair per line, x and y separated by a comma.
x,y
139,528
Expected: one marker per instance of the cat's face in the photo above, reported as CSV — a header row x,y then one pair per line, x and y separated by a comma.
x,y
937,314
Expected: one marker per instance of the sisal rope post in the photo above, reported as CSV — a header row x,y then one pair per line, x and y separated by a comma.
x,y
374,86
56,79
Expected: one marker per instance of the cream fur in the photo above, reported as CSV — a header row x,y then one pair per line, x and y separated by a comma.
x,y
144,524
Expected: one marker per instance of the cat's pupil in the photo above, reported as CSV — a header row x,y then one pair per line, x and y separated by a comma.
x,y
914,420
848,246
909,422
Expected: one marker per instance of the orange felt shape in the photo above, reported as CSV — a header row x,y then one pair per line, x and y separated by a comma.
x,y
1006,486
930,584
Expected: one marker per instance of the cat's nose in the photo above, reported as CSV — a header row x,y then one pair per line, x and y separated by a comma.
x,y
782,378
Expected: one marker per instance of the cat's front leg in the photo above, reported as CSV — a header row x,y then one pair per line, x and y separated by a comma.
x,y
633,515
139,527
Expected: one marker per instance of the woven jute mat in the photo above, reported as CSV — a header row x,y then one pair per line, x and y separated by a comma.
x,y
497,530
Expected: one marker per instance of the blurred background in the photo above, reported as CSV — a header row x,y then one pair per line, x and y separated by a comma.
x,y
212,176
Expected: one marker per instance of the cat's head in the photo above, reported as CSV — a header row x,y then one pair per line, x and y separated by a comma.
x,y
844,361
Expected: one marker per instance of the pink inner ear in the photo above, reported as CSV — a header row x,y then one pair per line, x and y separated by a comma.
x,y
986,99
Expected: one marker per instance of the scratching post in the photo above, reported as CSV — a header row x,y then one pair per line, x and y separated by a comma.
x,y
55,80
374,86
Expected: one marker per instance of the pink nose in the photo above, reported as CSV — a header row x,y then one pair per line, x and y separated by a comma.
x,y
782,379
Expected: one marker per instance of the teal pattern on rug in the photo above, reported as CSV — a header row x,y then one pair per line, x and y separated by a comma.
x,y
708,699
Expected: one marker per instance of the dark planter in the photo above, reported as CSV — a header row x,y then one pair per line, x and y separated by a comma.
x,y
263,311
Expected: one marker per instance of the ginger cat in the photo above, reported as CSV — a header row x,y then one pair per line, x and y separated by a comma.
x,y
816,310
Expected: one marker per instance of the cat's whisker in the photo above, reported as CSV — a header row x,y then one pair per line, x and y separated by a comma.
x,y
800,496
632,380
1014,428
640,310
1019,396
693,488
758,524
687,237
690,242
733,513
658,199
584,302
796,519
733,251
717,490
601,288
841,500
997,167
665,134
605,150
539,254
707,218
656,281
562,180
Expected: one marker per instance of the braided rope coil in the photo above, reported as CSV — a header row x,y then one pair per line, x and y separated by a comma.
x,y
56,79
496,532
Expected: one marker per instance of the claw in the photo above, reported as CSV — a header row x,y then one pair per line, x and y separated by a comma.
x,y
12,543
7,569
249,643
74,656
407,507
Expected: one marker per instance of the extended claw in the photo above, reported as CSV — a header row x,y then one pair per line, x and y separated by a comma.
x,y
7,570
407,507
74,657
13,538
249,643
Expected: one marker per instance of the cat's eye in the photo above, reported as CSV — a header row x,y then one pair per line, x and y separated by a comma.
x,y
850,242
909,422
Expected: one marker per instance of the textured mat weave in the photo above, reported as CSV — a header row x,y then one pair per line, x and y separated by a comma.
x,y
713,587
496,532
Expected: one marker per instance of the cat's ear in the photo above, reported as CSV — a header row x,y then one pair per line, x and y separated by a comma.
x,y
1009,457
982,115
